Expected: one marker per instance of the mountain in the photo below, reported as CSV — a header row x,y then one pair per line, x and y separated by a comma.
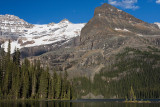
x,y
120,52
109,21
114,52
11,27
64,46
24,34
108,33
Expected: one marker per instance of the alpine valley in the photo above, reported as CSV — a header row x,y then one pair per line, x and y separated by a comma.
x,y
105,58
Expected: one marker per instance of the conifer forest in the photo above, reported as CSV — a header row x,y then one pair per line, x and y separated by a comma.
x,y
26,80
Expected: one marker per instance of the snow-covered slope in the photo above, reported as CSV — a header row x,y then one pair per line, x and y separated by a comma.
x,y
158,24
36,35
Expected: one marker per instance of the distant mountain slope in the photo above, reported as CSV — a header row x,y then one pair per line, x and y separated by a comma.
x,y
24,34
108,22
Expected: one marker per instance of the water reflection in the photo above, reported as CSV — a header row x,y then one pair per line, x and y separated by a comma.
x,y
73,104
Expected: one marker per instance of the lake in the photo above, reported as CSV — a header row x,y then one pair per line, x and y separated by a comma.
x,y
77,103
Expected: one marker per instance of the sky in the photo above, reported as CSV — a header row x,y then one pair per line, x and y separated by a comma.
x,y
76,11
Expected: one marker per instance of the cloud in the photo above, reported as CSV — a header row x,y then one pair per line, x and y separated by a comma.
x,y
158,1
126,4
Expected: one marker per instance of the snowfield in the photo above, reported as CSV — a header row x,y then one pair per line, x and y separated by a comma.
x,y
45,34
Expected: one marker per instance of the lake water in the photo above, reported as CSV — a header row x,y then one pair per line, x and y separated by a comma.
x,y
77,103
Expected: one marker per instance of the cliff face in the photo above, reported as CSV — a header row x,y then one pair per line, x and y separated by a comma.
x,y
109,22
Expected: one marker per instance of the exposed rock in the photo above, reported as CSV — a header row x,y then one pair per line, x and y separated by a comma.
x,y
107,19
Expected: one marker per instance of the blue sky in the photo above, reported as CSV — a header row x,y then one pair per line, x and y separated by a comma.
x,y
77,11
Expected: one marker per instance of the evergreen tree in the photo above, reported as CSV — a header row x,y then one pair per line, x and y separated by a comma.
x,y
132,95
16,57
43,85
25,85
15,84
6,83
58,88
68,95
34,82
55,79
51,88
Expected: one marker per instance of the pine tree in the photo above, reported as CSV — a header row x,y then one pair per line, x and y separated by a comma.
x,y
68,95
55,79
132,96
6,83
43,85
15,82
34,82
58,88
25,85
51,88
16,57
65,85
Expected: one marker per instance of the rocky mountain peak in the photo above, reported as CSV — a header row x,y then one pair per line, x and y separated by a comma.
x,y
12,25
51,24
109,22
65,21
11,19
111,12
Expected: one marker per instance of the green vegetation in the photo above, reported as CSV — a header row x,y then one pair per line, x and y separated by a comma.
x,y
134,75
133,67
28,80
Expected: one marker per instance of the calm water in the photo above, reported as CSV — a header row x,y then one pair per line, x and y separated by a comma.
x,y
78,103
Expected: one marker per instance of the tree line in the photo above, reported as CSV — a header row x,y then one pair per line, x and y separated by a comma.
x,y
26,80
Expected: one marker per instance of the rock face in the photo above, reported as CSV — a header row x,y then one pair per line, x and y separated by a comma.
x,y
109,21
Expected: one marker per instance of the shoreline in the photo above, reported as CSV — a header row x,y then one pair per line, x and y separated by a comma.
x,y
86,100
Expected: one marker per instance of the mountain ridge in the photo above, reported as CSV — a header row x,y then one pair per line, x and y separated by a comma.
x,y
23,34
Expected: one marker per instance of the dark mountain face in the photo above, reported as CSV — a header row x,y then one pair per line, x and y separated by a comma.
x,y
109,21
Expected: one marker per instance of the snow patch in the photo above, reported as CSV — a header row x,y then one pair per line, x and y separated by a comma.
x,y
125,30
157,24
119,10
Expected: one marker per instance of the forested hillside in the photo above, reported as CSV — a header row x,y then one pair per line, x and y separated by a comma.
x,y
133,68
29,80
